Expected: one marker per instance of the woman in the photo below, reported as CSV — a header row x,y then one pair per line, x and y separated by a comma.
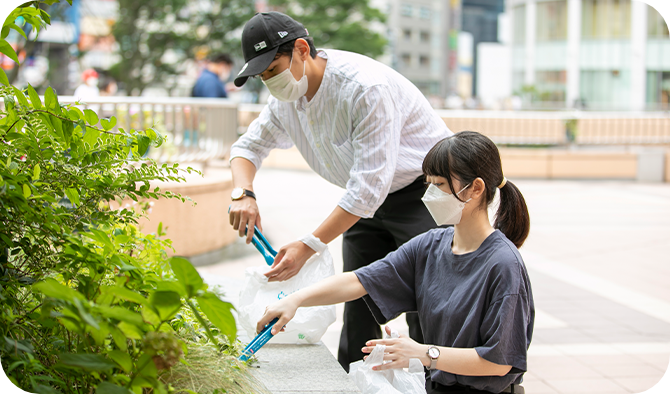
x,y
468,282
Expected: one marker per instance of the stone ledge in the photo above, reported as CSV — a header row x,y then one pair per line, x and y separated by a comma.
x,y
294,369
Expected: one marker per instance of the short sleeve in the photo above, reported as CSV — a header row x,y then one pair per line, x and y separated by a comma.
x,y
390,282
264,134
504,331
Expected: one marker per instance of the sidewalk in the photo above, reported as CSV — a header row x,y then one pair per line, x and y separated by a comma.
x,y
597,256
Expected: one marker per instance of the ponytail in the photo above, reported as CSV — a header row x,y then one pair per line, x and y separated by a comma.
x,y
512,218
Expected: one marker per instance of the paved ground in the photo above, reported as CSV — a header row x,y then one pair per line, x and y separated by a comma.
x,y
597,256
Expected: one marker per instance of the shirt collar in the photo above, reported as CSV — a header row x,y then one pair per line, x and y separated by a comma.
x,y
302,104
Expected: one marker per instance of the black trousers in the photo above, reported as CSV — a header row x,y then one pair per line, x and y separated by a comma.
x,y
401,217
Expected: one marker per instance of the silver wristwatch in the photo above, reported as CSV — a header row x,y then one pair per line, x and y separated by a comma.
x,y
433,352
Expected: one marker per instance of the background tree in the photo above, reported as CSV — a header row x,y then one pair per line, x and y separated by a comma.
x,y
156,37
341,24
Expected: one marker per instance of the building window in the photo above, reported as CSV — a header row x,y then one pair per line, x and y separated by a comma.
x,y
424,61
519,21
551,85
605,19
407,34
658,90
424,13
406,59
425,36
406,10
656,26
552,21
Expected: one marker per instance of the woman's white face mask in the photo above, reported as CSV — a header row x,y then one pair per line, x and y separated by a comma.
x,y
284,87
445,208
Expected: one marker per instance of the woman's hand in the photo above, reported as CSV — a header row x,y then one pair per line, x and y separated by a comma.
x,y
284,310
398,350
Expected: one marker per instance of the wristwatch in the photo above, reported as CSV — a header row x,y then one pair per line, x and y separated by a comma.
x,y
239,192
433,352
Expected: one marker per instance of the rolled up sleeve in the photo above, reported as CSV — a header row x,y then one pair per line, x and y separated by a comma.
x,y
264,134
375,143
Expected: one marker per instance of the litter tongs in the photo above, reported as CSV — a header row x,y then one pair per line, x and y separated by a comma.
x,y
263,246
261,339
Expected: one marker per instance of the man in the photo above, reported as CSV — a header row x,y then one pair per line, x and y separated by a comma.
x,y
210,84
360,125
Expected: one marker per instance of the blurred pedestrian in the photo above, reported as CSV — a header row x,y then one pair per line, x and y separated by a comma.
x,y
211,80
89,87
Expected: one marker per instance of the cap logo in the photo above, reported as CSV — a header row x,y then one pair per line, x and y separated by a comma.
x,y
260,46
282,34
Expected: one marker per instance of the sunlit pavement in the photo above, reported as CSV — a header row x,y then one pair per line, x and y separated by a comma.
x,y
598,257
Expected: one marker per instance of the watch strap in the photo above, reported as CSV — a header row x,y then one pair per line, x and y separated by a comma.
x,y
249,193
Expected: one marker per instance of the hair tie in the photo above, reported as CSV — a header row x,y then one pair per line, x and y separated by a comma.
x,y
503,183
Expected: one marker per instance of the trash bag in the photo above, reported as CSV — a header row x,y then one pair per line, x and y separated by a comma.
x,y
309,324
388,381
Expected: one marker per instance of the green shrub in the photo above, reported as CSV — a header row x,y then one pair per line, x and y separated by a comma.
x,y
88,302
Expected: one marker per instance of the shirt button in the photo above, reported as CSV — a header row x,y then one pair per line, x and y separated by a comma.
x,y
311,122
318,145
367,212
327,165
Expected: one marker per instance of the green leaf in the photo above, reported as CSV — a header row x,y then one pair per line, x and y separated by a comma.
x,y
46,16
108,124
130,331
119,339
121,358
18,29
91,117
76,114
121,314
150,316
8,50
51,288
91,136
143,143
73,195
110,388
99,334
34,97
8,385
85,316
26,190
21,97
218,312
125,294
50,99
36,172
3,78
86,361
166,303
186,275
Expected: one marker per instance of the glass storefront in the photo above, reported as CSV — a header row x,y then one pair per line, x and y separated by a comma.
x,y
606,19
552,21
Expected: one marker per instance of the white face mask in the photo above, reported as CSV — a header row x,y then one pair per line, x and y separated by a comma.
x,y
284,86
445,208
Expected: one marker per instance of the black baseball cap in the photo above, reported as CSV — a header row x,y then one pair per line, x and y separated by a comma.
x,y
261,38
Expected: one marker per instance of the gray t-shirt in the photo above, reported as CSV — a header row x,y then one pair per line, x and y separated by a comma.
x,y
480,300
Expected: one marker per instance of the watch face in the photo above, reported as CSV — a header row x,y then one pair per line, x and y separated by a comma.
x,y
434,352
237,193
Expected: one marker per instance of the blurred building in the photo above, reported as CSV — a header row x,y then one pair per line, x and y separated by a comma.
x,y
418,34
597,54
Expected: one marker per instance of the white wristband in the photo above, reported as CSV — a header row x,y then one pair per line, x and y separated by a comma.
x,y
314,243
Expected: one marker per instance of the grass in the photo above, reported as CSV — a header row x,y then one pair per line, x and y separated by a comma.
x,y
212,372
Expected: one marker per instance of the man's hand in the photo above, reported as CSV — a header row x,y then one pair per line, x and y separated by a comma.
x,y
399,351
283,309
244,213
290,259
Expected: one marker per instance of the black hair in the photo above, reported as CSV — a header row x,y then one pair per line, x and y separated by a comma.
x,y
287,47
469,155
221,58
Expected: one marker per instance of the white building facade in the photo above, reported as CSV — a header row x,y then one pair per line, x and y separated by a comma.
x,y
597,54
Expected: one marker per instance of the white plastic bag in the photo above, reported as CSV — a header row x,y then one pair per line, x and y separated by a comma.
x,y
309,324
388,381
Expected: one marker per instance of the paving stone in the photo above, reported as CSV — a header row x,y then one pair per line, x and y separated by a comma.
x,y
301,369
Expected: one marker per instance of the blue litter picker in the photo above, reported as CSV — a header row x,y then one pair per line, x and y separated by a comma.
x,y
261,339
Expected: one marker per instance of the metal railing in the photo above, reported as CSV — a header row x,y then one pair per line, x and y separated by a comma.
x,y
546,127
197,129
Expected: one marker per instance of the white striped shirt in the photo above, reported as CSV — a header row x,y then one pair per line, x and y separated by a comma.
x,y
367,129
